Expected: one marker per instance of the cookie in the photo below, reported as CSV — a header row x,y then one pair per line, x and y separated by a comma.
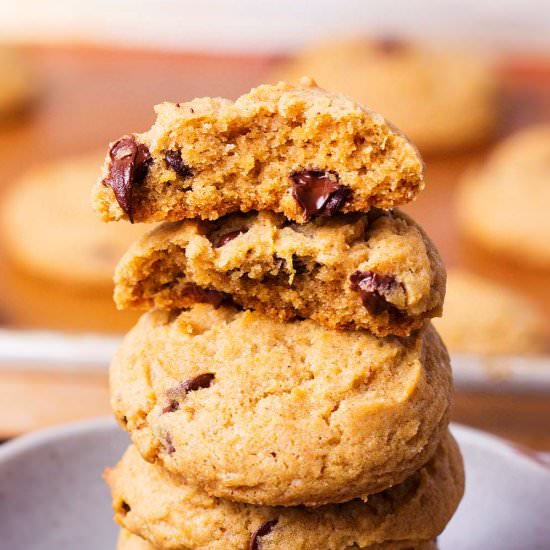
x,y
503,205
443,100
273,413
376,271
128,541
482,316
47,226
173,516
17,85
298,150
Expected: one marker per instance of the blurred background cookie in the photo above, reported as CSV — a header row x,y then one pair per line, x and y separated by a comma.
x,y
481,316
504,205
48,227
17,84
442,99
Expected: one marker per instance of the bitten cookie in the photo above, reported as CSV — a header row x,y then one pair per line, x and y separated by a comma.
x,y
442,99
482,316
503,205
48,227
173,516
259,411
377,271
297,150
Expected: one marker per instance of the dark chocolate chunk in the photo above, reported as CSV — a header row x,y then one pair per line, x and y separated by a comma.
x,y
318,192
205,295
168,444
374,289
193,384
299,265
262,531
226,237
173,160
128,167
183,388
125,507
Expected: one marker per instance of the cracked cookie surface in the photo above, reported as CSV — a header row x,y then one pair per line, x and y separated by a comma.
x,y
261,411
375,271
160,508
298,150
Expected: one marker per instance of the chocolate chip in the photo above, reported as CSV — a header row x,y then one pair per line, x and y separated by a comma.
x,y
206,296
262,531
169,445
183,388
174,161
128,167
193,384
375,289
226,237
318,192
299,265
125,507
390,45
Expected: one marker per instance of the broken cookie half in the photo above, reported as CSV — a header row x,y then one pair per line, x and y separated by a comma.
x,y
296,150
375,271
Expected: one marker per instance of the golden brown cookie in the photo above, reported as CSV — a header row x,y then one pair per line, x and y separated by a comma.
x,y
259,411
482,316
503,206
173,516
442,99
48,227
129,541
298,150
377,271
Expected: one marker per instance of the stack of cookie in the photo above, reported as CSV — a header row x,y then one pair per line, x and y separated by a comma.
x,y
286,389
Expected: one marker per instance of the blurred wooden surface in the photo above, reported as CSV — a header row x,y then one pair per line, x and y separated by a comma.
x,y
89,97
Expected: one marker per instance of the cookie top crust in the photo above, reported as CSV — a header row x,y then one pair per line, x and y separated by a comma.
x,y
375,271
294,149
259,411
160,508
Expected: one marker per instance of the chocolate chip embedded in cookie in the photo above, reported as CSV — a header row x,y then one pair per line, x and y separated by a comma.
x,y
377,271
265,390
128,165
173,515
296,150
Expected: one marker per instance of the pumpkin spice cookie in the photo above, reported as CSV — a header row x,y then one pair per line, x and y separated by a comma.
x,y
129,541
297,150
48,228
482,316
377,271
442,99
259,411
160,508
503,205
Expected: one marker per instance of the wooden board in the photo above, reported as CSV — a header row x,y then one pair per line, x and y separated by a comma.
x,y
90,96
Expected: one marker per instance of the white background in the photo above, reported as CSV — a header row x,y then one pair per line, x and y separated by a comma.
x,y
274,25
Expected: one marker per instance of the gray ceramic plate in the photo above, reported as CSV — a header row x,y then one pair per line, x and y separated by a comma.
x,y
52,496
